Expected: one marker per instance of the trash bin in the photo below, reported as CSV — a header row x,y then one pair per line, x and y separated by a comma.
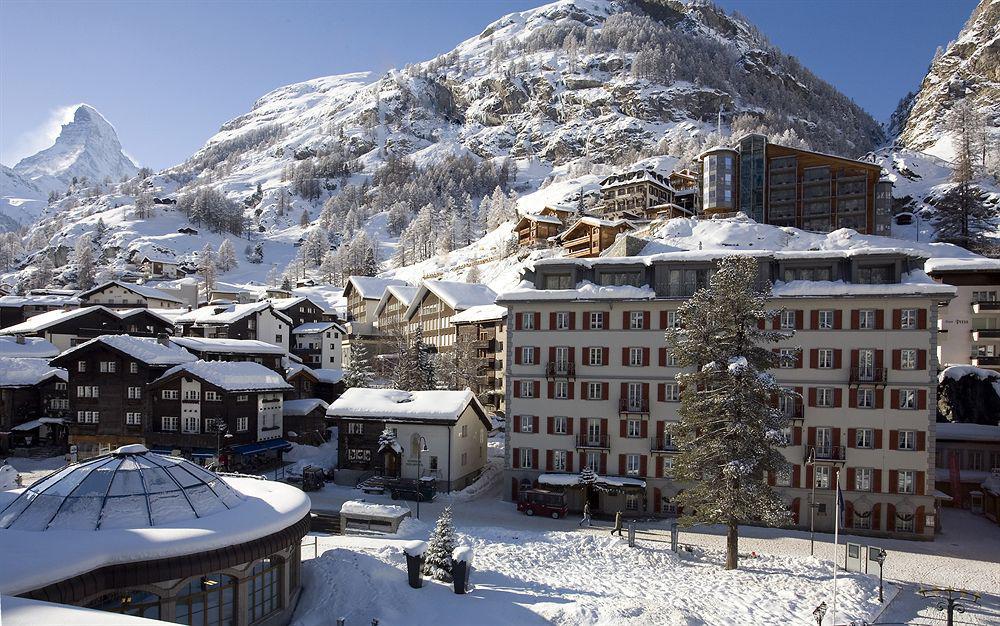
x,y
414,551
461,567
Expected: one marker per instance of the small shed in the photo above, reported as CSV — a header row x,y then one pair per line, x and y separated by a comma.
x,y
371,517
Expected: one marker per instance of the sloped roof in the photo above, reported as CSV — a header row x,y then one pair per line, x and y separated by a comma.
x,y
283,304
303,407
309,328
480,313
459,296
40,322
396,405
40,300
371,287
223,346
142,290
226,313
145,349
403,293
27,372
33,347
589,220
230,375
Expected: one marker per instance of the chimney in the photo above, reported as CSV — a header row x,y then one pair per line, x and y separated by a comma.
x,y
163,339
19,339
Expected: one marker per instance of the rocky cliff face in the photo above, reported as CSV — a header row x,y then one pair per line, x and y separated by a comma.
x,y
968,69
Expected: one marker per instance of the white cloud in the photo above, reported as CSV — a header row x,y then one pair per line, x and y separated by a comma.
x,y
40,137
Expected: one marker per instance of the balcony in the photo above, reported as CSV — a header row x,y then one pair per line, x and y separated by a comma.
x,y
824,454
868,376
560,369
986,361
662,444
986,306
484,344
633,406
595,442
983,334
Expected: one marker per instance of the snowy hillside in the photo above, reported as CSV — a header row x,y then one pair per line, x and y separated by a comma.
x,y
87,147
21,201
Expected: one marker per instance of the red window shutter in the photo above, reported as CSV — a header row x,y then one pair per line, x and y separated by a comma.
x,y
624,356
662,352
836,437
799,315
534,458
921,441
893,481
552,389
879,319
569,390
604,463
624,391
572,355
645,394
838,319
918,520
922,319
838,358
552,354
517,356
878,438
569,462
796,475
770,478
894,398
572,320
538,388
879,359
656,499
621,464
920,483
586,320
622,428
876,482
534,424
850,479
517,423
659,469
549,425
644,429
890,519
897,359
517,389
538,320
814,319
921,359
625,323
809,477
760,324
776,322
797,435
604,391
798,359
814,358
663,320
855,355
645,357
811,436
852,399
569,425
897,319
519,321
548,460
922,399
606,320
583,392
605,355
855,319
879,398
517,463
661,392
642,465
552,320
645,320
838,397
812,396
604,427
876,516
852,439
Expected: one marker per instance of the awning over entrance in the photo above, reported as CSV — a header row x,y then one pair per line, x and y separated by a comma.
x,y
262,446
573,480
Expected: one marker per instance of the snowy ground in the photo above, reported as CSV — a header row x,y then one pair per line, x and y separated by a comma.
x,y
31,470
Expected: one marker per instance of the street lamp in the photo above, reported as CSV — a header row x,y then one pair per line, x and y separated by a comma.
x,y
811,462
948,600
819,613
420,450
879,557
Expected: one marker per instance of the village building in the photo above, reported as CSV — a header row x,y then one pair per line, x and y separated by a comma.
x,y
590,236
67,328
190,402
305,421
318,344
223,293
145,322
108,401
117,294
439,435
785,186
306,382
482,329
301,310
363,294
156,537
863,359
236,350
391,310
21,347
965,456
434,305
253,320
969,325
635,195
535,229
32,403
16,309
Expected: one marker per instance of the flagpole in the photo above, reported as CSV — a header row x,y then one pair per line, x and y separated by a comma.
x,y
836,548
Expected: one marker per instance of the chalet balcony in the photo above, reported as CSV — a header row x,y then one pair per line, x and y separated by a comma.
x,y
662,444
986,306
824,454
484,344
596,442
985,334
986,361
868,376
560,369
633,406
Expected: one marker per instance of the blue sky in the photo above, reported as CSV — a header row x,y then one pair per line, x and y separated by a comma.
x,y
168,74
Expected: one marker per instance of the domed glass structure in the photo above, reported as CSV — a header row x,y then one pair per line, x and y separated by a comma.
x,y
129,488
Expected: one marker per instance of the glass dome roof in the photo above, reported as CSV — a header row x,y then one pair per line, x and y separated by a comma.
x,y
129,488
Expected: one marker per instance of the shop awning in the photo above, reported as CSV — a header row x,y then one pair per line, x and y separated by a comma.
x,y
262,446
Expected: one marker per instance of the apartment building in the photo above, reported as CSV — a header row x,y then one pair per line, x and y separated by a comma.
x,y
318,344
785,186
969,325
363,294
391,309
436,303
639,194
590,381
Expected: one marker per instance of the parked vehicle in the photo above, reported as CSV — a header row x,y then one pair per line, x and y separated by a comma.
x,y
542,502
408,489
313,478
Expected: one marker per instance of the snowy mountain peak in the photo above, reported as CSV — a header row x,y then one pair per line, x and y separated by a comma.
x,y
87,146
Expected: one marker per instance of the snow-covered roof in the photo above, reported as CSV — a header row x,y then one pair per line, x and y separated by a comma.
x,y
328,375
403,293
585,290
371,509
395,405
231,375
309,328
590,220
283,304
303,407
226,314
32,347
16,372
459,296
955,372
546,219
481,313
951,431
25,612
915,283
142,290
371,287
634,176
38,323
223,346
39,300
974,264
139,520
145,349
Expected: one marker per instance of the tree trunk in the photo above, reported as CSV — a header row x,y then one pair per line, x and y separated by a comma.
x,y
732,546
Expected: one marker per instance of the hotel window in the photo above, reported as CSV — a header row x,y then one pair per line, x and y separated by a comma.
x,y
134,393
561,390
826,320
904,524
264,589
631,502
192,394
636,320
559,460
824,396
594,391
864,438
527,389
210,425
169,394
562,320
788,358
108,367
671,392
908,359
668,466
673,320
597,320
907,440
527,355
595,356
862,479
527,321
635,357
190,424
632,464
908,319
355,428
672,360
88,417
525,458
242,424
527,424
593,461
866,398
905,481
558,281
825,358
866,319
822,476
559,426
788,320
633,429
169,423
878,275
213,396
907,398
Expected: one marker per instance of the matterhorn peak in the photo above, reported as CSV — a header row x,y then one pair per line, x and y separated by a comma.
x,y
87,146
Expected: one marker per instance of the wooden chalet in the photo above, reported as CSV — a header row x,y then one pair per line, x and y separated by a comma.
x,y
535,229
117,294
234,350
590,236
32,403
306,382
253,320
17,309
305,421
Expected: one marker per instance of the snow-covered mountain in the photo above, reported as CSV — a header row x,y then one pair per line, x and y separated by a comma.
x,y
87,147
21,201
969,68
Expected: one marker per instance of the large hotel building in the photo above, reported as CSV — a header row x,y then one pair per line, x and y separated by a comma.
x,y
865,366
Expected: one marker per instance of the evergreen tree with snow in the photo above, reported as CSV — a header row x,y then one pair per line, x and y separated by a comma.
x,y
474,276
315,246
729,429
361,373
305,219
100,230
588,477
42,275
387,440
83,255
226,257
330,267
255,253
423,363
144,205
437,558
206,267
369,262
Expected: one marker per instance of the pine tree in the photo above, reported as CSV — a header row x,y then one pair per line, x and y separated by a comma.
x,y
227,256
305,219
83,254
144,205
474,275
255,253
387,440
729,430
330,267
437,558
100,230
422,362
588,477
206,267
42,275
315,246
360,374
